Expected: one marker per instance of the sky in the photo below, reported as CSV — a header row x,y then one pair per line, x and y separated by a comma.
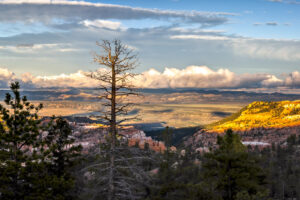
x,y
181,43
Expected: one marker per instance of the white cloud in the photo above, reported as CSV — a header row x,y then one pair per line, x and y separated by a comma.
x,y
271,23
6,74
193,30
31,1
293,79
267,49
37,48
267,24
272,81
44,11
204,77
6,77
286,1
190,77
77,79
199,37
277,49
102,24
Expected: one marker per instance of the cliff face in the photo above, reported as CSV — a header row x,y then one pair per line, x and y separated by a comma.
x,y
260,137
259,124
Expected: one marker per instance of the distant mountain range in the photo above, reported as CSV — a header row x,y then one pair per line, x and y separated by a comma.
x,y
168,95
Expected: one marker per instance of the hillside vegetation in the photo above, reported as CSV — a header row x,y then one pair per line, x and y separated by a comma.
x,y
261,114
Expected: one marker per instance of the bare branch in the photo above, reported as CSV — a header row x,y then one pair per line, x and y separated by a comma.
x,y
119,166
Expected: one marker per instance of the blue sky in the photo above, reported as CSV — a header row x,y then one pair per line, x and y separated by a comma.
x,y
257,38
248,12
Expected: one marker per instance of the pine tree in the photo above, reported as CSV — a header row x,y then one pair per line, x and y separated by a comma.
x,y
230,171
165,185
169,157
19,131
60,156
178,176
283,163
33,165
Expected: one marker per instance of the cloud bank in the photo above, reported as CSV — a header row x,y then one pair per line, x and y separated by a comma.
x,y
44,11
204,77
190,77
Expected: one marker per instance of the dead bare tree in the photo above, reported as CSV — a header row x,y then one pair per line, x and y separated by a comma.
x,y
115,84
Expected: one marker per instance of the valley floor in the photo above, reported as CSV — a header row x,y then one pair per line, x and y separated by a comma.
x,y
173,115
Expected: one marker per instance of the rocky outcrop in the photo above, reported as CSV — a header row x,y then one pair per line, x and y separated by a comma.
x,y
260,137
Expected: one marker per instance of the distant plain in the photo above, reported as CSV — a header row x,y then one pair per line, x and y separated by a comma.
x,y
173,115
156,107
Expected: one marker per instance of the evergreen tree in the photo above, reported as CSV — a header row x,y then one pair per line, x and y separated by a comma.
x,y
169,158
231,172
178,176
167,138
33,164
60,156
19,131
180,179
283,163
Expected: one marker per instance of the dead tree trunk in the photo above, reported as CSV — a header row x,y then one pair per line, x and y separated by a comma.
x,y
113,132
121,175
